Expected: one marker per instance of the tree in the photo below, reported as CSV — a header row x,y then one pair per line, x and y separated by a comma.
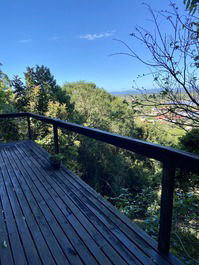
x,y
41,94
5,92
8,127
173,62
39,89
190,141
191,5
104,166
20,98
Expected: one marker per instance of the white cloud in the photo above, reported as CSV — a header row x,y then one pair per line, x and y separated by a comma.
x,y
97,36
25,41
54,38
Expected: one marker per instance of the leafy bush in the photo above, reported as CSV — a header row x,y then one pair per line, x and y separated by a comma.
x,y
190,141
143,208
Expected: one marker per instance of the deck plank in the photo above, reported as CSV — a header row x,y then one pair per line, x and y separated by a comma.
x,y
5,249
56,218
142,239
109,231
62,244
32,223
30,248
13,234
81,242
153,256
81,216
42,222
73,213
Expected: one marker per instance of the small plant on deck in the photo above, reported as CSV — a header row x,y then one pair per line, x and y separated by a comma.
x,y
56,160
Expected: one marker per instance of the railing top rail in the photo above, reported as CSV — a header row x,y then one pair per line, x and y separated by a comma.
x,y
164,154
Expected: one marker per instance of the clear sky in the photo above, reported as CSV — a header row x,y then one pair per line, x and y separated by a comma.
x,y
74,38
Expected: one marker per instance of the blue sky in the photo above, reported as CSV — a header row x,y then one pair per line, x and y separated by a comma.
x,y
74,38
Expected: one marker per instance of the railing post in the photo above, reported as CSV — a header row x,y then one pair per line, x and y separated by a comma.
x,y
29,128
56,142
168,180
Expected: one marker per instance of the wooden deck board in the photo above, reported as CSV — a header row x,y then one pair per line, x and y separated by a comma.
x,y
105,231
38,233
72,212
5,250
78,246
14,242
63,250
148,244
52,217
24,233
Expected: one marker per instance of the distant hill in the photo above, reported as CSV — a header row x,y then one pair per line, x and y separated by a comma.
x,y
135,92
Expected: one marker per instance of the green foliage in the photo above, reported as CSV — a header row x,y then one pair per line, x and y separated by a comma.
x,y
9,130
96,108
41,88
57,157
136,205
131,182
105,167
6,94
191,5
190,141
8,127
143,208
20,98
185,235
152,130
41,94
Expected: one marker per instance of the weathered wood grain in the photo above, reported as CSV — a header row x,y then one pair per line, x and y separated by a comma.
x,y
52,217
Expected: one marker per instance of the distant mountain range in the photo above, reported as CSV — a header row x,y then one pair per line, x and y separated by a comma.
x,y
135,92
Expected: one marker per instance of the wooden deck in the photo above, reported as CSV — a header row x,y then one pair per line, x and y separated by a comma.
x,y
52,217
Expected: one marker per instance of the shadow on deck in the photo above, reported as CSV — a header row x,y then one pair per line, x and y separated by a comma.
x,y
52,217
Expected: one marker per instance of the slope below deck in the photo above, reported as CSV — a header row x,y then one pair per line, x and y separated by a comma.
x,y
53,217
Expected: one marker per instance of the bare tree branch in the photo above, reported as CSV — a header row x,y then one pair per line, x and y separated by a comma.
x,y
174,63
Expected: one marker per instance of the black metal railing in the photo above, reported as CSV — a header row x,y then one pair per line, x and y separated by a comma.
x,y
170,157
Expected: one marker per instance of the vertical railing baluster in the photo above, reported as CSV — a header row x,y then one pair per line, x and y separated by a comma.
x,y
56,141
29,128
168,180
